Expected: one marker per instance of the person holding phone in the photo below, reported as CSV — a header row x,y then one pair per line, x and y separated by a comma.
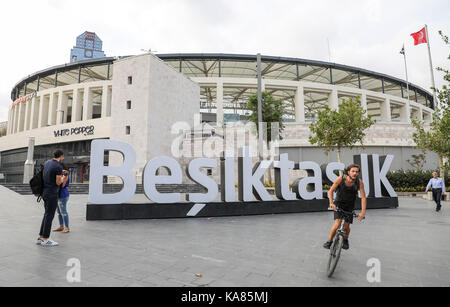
x,y
63,198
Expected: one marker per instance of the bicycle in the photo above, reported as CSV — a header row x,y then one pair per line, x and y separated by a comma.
x,y
338,242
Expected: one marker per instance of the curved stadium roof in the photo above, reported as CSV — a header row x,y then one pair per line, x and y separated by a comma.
x,y
197,65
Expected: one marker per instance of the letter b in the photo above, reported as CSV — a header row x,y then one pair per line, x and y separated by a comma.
x,y
98,171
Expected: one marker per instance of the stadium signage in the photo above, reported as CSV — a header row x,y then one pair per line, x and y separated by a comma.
x,y
86,131
250,177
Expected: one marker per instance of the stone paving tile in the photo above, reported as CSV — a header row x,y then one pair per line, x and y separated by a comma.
x,y
275,250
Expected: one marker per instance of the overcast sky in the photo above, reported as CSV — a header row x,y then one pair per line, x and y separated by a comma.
x,y
369,34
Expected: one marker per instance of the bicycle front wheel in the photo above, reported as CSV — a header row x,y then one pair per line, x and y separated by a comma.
x,y
335,253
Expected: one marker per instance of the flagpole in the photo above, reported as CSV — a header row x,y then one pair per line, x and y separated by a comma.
x,y
432,71
406,70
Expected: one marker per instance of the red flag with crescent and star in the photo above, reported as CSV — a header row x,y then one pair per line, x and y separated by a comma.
x,y
420,37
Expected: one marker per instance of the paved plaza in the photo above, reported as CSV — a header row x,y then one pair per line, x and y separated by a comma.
x,y
411,243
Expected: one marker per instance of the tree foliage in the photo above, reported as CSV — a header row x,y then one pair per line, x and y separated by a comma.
x,y
417,161
436,138
335,130
444,94
272,110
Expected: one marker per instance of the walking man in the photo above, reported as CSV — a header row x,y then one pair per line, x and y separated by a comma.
x,y
53,178
438,187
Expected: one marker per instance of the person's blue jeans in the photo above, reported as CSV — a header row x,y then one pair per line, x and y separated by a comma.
x,y
63,216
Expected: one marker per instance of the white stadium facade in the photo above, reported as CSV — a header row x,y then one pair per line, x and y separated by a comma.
x,y
67,106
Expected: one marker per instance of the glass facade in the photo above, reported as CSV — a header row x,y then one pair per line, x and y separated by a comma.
x,y
76,157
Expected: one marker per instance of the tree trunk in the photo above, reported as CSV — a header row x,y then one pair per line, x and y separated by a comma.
x,y
441,168
339,160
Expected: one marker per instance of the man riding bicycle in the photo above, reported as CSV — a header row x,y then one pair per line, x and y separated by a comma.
x,y
347,187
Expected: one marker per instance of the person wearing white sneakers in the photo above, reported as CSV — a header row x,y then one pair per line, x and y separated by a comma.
x,y
53,178
63,198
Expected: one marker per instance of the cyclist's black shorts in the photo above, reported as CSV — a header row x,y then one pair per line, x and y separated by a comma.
x,y
341,216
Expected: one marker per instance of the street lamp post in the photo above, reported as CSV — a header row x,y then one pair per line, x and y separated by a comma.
x,y
260,114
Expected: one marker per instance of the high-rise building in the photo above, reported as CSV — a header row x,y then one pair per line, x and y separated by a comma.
x,y
88,47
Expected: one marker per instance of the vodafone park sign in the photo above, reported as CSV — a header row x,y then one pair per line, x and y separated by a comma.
x,y
251,189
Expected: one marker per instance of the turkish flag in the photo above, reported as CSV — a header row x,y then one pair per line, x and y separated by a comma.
x,y
420,37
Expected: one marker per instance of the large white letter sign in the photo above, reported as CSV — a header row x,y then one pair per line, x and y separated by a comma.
x,y
250,184
227,177
379,176
194,173
151,180
331,167
301,186
363,161
98,171
282,178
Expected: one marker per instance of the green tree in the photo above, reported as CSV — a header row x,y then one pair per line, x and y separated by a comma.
x,y
444,94
418,161
335,130
436,138
272,112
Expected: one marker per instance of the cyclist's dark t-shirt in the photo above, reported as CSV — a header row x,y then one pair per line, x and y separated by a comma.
x,y
52,169
346,196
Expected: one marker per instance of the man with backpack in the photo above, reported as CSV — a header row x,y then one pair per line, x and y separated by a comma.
x,y
53,177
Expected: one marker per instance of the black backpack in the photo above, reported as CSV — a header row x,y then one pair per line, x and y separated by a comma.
x,y
37,184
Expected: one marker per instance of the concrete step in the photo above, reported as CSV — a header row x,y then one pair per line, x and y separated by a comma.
x,y
83,189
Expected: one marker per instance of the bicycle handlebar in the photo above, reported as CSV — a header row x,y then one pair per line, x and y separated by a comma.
x,y
346,212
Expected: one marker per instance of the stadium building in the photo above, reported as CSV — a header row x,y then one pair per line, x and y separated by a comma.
x,y
70,105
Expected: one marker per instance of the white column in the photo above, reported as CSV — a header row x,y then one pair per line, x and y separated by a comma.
x,y
61,113
77,106
420,114
333,100
219,103
364,103
14,119
87,104
21,122
10,120
405,112
43,111
427,117
27,115
385,107
52,109
106,101
34,118
300,105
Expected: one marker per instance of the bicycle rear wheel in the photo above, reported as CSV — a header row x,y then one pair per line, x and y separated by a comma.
x,y
335,253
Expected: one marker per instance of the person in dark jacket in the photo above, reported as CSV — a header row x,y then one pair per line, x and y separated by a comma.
x,y
53,178
63,216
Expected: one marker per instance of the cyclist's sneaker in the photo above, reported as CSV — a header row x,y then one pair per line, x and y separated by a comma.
x,y
328,244
346,245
